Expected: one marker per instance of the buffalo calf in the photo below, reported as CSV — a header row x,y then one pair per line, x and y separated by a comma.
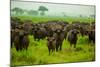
x,y
51,44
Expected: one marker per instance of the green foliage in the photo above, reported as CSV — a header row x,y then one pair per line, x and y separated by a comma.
x,y
32,12
44,19
18,11
42,10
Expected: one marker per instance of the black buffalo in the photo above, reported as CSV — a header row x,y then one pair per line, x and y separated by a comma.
x,y
21,40
72,37
51,44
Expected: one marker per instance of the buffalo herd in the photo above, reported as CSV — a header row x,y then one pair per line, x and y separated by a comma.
x,y
53,31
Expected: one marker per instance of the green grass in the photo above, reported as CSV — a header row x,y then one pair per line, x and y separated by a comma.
x,y
42,19
37,53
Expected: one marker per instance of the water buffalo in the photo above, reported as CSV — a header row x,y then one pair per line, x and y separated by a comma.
x,y
27,26
39,32
72,37
51,44
12,37
59,35
91,35
21,40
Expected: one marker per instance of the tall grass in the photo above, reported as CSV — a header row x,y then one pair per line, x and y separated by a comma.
x,y
42,19
37,53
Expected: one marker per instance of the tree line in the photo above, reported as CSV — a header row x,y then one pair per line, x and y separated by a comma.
x,y
41,11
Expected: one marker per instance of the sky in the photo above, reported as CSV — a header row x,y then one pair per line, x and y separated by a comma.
x,y
56,9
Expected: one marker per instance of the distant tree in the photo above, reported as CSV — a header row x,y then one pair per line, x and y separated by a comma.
x,y
80,15
93,16
42,10
32,12
18,11
64,14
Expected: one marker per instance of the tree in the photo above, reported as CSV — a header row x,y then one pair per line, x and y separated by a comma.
x,y
42,10
92,16
33,12
64,14
18,11
80,15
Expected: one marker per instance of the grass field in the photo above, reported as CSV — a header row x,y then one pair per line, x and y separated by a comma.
x,y
42,19
37,52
